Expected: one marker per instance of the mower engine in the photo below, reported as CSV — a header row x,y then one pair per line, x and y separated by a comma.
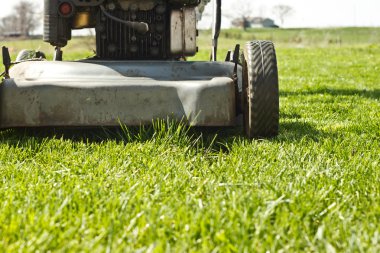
x,y
126,29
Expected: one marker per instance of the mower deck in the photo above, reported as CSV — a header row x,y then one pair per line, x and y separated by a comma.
x,y
107,93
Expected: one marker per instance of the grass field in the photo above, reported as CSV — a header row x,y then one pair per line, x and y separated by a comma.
x,y
167,188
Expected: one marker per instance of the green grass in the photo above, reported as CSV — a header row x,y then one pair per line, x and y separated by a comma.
x,y
314,188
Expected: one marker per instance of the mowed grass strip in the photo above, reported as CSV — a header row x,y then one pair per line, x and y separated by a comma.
x,y
316,187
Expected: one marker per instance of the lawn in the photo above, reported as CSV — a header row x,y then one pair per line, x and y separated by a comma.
x,y
170,188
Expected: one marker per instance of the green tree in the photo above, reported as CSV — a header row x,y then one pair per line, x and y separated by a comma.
x,y
282,12
24,19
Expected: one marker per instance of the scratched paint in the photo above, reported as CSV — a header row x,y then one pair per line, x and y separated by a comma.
x,y
90,93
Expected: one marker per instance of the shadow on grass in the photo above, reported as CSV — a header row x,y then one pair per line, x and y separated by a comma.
x,y
296,130
290,115
218,139
214,138
372,94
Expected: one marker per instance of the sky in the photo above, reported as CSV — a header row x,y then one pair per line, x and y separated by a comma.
x,y
310,13
306,13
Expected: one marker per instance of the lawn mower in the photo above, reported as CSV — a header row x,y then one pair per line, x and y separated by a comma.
x,y
140,72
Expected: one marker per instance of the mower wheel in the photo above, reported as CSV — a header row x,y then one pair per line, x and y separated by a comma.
x,y
260,90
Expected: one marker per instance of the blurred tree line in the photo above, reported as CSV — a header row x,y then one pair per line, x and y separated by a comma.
x,y
24,19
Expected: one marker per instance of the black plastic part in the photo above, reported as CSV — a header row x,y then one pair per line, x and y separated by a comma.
x,y
58,54
7,62
228,56
184,2
235,59
57,29
235,56
217,22
260,90
87,3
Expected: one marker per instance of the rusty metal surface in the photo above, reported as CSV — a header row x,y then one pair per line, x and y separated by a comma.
x,y
104,93
183,32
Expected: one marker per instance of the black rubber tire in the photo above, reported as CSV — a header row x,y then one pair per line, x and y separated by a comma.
x,y
260,90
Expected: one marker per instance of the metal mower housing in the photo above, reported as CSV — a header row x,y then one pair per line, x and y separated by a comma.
x,y
106,93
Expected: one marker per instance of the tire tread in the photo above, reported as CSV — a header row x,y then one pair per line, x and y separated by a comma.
x,y
262,90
